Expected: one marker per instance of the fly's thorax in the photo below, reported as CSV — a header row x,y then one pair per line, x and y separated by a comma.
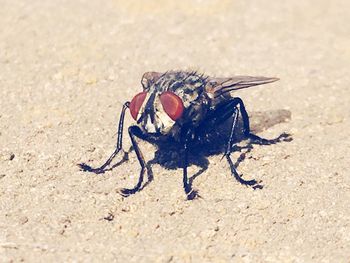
x,y
197,111
195,101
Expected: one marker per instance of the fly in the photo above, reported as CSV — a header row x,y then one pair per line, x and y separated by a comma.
x,y
180,105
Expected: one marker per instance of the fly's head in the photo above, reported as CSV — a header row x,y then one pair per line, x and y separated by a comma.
x,y
156,112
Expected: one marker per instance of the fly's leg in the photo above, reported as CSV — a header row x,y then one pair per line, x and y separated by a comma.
x,y
232,108
255,138
190,193
227,153
133,131
101,169
186,184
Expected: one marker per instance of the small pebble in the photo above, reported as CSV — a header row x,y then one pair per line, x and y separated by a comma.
x,y
23,220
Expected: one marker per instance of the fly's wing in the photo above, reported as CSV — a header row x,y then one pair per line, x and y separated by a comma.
x,y
220,86
150,78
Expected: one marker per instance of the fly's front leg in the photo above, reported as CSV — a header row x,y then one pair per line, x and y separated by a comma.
x,y
133,131
101,169
227,153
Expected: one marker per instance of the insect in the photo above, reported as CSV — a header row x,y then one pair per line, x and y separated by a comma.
x,y
180,105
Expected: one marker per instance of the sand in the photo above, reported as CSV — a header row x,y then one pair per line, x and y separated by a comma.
x,y
66,68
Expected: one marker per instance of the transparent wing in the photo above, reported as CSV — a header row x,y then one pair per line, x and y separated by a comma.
x,y
220,86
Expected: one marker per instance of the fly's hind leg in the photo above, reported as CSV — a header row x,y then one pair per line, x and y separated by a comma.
x,y
255,138
235,102
87,168
228,150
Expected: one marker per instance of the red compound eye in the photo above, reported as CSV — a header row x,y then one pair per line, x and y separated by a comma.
x,y
136,104
172,105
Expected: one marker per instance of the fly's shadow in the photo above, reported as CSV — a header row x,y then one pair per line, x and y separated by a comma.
x,y
213,141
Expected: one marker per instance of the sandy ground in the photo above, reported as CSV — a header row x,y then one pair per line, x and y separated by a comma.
x,y
66,68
